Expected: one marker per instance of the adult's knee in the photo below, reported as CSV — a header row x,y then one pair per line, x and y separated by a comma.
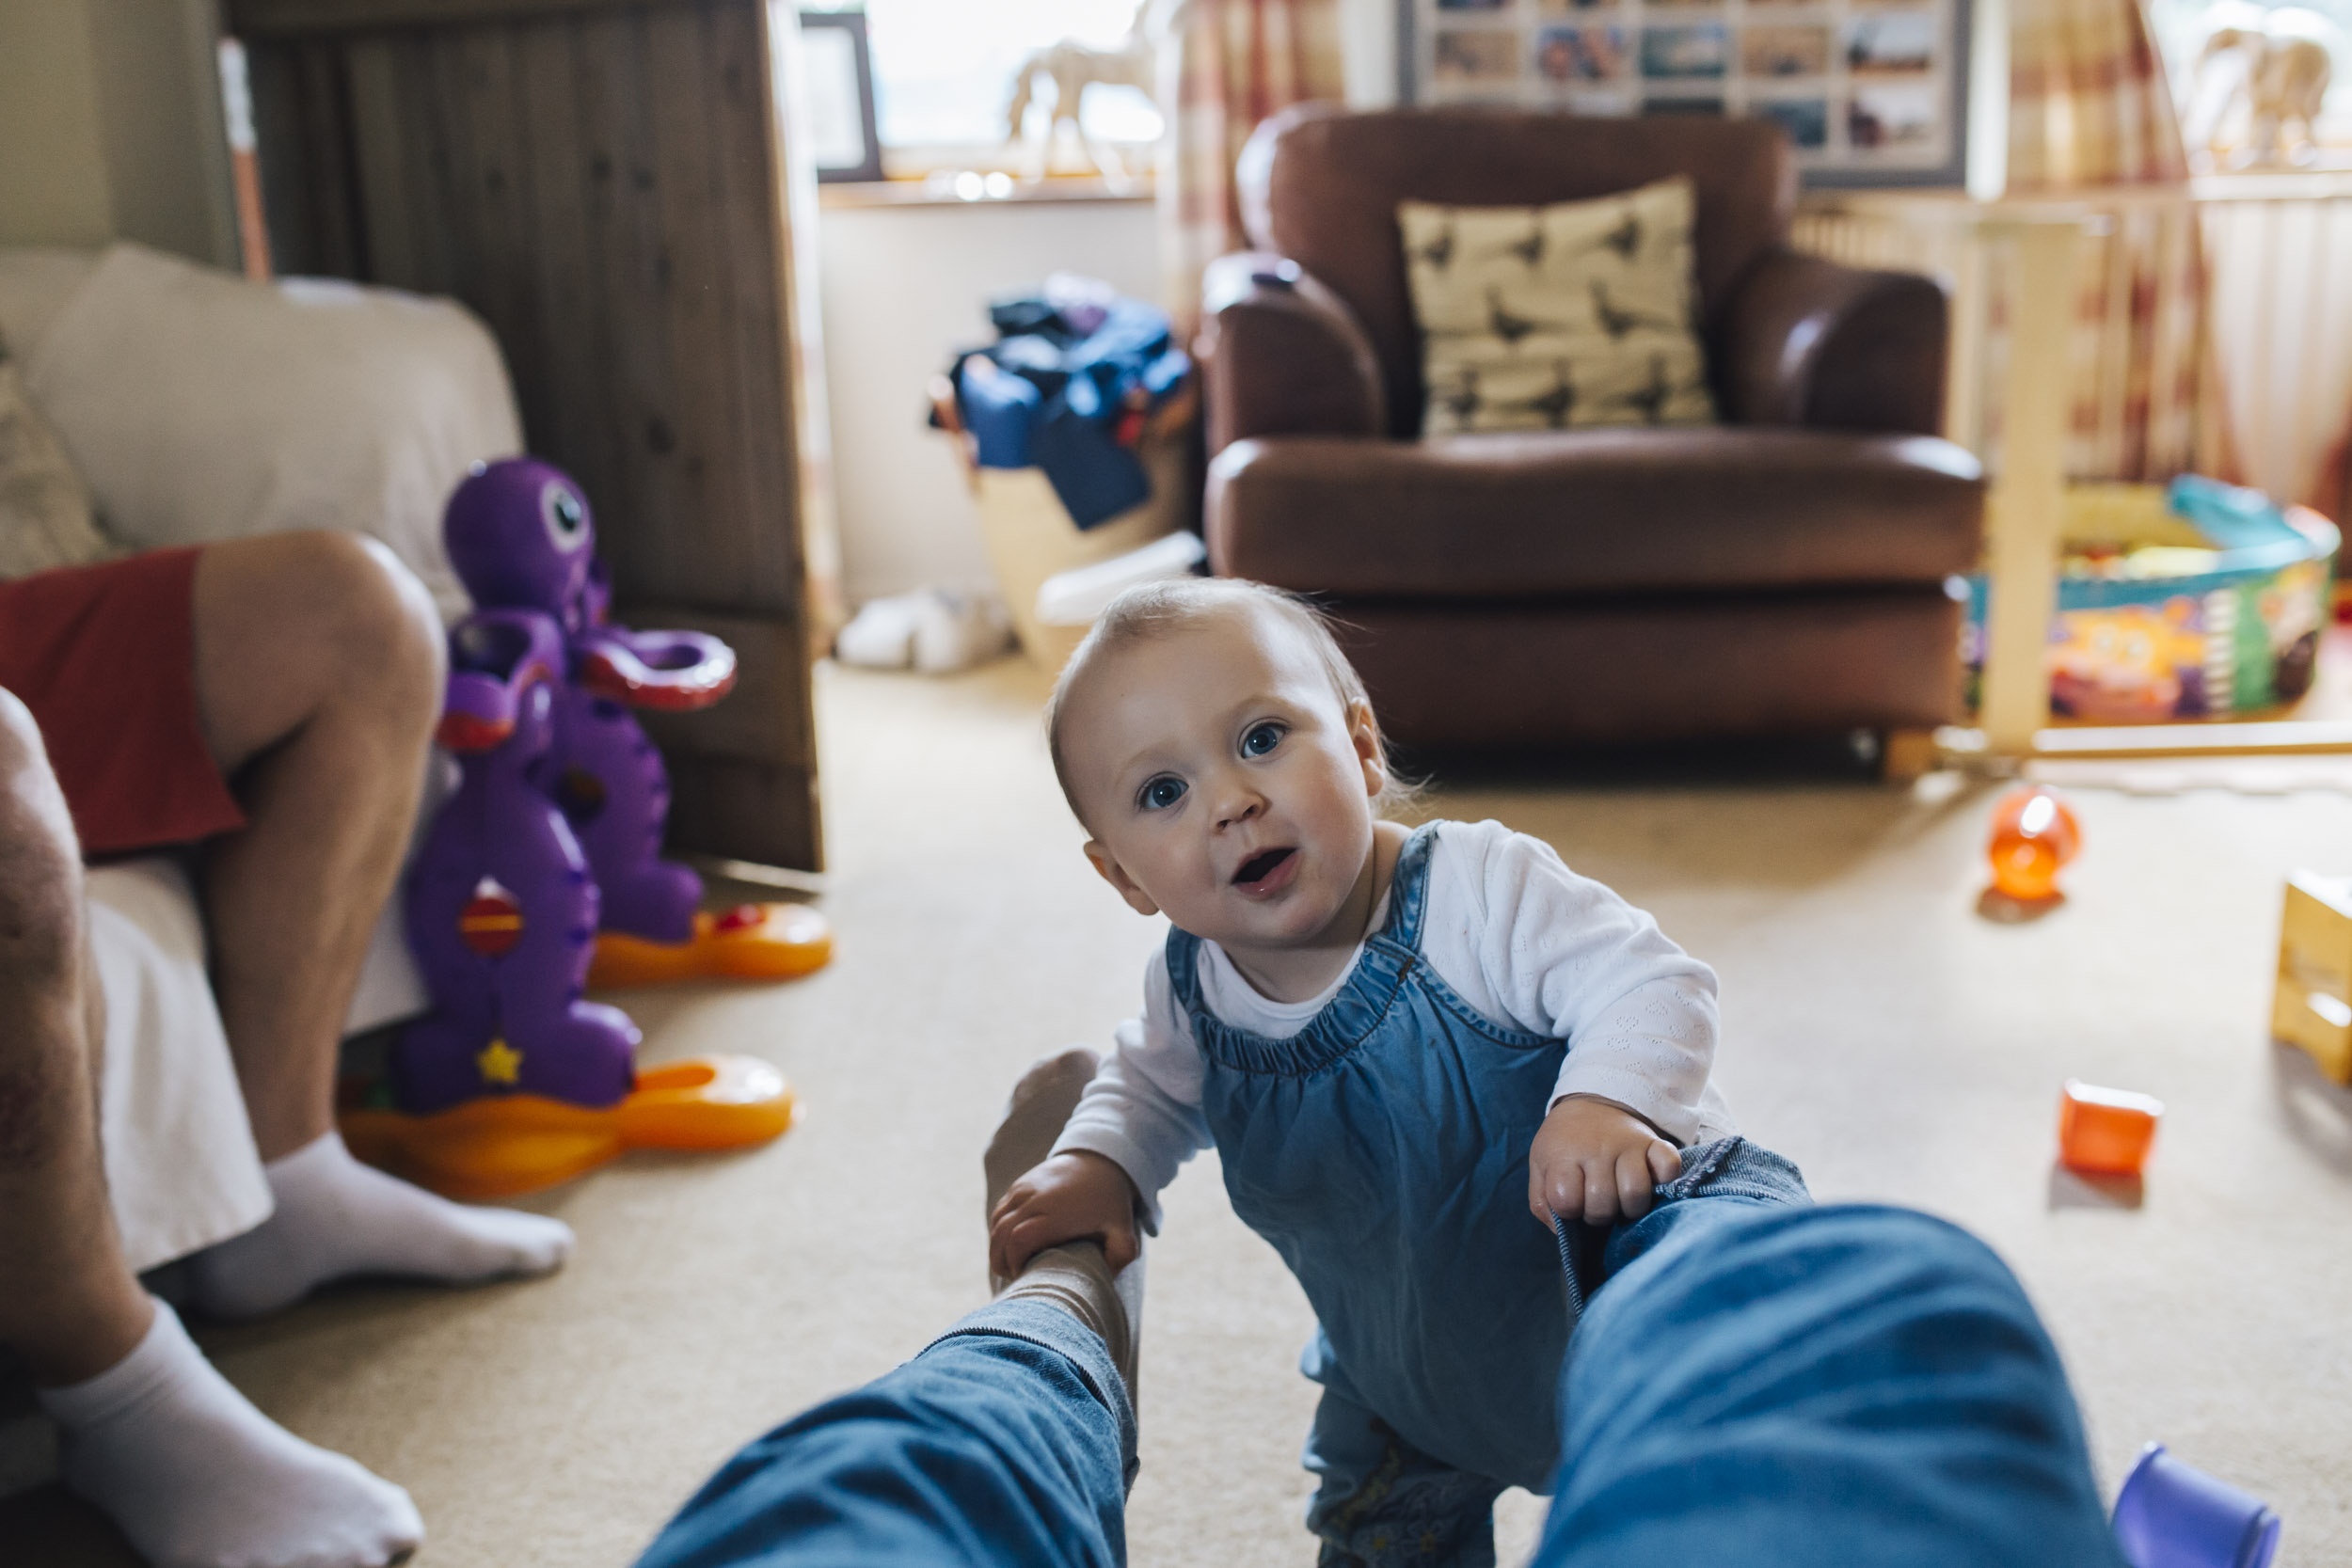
x,y
1855,1384
40,864
20,747
40,943
376,624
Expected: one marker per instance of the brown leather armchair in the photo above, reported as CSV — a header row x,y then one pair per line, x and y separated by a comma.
x,y
1785,572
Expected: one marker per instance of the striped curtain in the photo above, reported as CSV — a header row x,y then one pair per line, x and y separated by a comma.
x,y
2088,108
2087,102
1228,65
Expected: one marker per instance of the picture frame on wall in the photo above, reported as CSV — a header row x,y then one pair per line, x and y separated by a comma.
x,y
838,69
1870,92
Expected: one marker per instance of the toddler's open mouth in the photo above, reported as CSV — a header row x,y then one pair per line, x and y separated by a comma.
x,y
1263,867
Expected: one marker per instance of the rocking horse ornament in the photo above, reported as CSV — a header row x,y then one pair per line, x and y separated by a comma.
x,y
1072,66
2279,66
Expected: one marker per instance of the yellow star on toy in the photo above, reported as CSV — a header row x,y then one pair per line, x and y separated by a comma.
x,y
499,1061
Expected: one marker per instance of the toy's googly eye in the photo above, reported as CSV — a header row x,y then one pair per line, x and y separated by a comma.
x,y
566,518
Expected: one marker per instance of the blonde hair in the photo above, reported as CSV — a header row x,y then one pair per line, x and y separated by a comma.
x,y
1157,609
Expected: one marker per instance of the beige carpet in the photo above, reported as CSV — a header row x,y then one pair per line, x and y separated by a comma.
x,y
1877,1030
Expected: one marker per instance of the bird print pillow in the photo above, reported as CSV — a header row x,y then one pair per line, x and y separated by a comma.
x,y
1559,317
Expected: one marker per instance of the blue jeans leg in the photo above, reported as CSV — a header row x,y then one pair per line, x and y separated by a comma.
x,y
1009,1440
1787,1387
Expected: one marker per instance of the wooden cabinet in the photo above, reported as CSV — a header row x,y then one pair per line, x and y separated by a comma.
x,y
609,186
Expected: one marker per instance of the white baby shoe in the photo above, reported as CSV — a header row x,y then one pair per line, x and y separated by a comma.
x,y
882,635
955,631
937,630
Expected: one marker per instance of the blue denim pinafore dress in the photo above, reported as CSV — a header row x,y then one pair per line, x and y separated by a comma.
x,y
1383,1151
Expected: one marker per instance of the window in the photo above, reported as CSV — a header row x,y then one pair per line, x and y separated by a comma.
x,y
944,78
2215,109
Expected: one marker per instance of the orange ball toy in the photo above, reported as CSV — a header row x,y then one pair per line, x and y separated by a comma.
x,y
2034,835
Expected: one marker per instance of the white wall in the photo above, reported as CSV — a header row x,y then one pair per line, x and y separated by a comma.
x,y
1368,38
901,287
110,126
52,170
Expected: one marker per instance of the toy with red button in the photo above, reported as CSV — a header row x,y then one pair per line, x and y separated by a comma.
x,y
501,910
556,830
522,539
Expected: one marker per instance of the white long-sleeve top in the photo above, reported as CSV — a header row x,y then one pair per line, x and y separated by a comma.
x,y
1527,944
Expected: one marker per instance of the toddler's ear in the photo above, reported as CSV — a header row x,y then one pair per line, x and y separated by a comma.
x,y
1115,874
1365,736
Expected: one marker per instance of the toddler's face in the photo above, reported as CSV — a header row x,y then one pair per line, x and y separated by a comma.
x,y
1224,781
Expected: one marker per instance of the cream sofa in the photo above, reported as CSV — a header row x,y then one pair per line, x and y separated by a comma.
x,y
199,406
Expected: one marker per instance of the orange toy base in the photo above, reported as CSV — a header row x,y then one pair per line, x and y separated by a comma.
x,y
755,941
517,1142
2106,1132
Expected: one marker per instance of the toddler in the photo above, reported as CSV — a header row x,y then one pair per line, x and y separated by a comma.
x,y
1411,1049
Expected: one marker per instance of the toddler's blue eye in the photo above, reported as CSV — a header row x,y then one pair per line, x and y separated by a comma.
x,y
1261,740
1160,794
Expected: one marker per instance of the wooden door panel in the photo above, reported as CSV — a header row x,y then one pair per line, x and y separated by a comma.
x,y
601,183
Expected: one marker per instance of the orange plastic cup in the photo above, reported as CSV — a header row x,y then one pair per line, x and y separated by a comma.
x,y
2106,1132
2034,836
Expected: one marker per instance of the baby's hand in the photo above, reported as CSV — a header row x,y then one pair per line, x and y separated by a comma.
x,y
1593,1157
1068,1197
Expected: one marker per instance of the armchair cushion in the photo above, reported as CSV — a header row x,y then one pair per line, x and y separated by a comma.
x,y
45,518
1595,512
200,406
1557,317
181,1170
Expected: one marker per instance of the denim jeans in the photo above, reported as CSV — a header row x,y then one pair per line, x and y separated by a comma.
x,y
1780,1388
1754,1383
1008,1440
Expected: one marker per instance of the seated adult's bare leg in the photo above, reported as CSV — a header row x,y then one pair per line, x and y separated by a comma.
x,y
71,1308
318,678
189,1469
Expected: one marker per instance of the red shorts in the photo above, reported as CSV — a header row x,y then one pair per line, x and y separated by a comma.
x,y
106,658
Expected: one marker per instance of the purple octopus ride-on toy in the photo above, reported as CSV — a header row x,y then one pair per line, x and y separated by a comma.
x,y
501,910
556,827
520,536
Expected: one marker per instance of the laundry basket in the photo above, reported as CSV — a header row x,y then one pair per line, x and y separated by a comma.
x,y
1029,536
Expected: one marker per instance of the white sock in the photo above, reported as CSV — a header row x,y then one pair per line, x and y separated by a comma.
x,y
196,1478
337,1217
882,635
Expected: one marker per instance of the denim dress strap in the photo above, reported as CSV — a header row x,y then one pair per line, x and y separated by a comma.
x,y
1367,997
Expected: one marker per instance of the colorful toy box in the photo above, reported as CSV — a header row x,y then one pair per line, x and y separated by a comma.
x,y
2194,600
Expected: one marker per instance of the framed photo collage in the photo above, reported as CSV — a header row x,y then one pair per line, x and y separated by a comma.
x,y
1872,92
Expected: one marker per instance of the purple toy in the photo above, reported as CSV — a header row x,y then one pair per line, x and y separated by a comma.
x,y
2173,1515
557,824
520,535
502,913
